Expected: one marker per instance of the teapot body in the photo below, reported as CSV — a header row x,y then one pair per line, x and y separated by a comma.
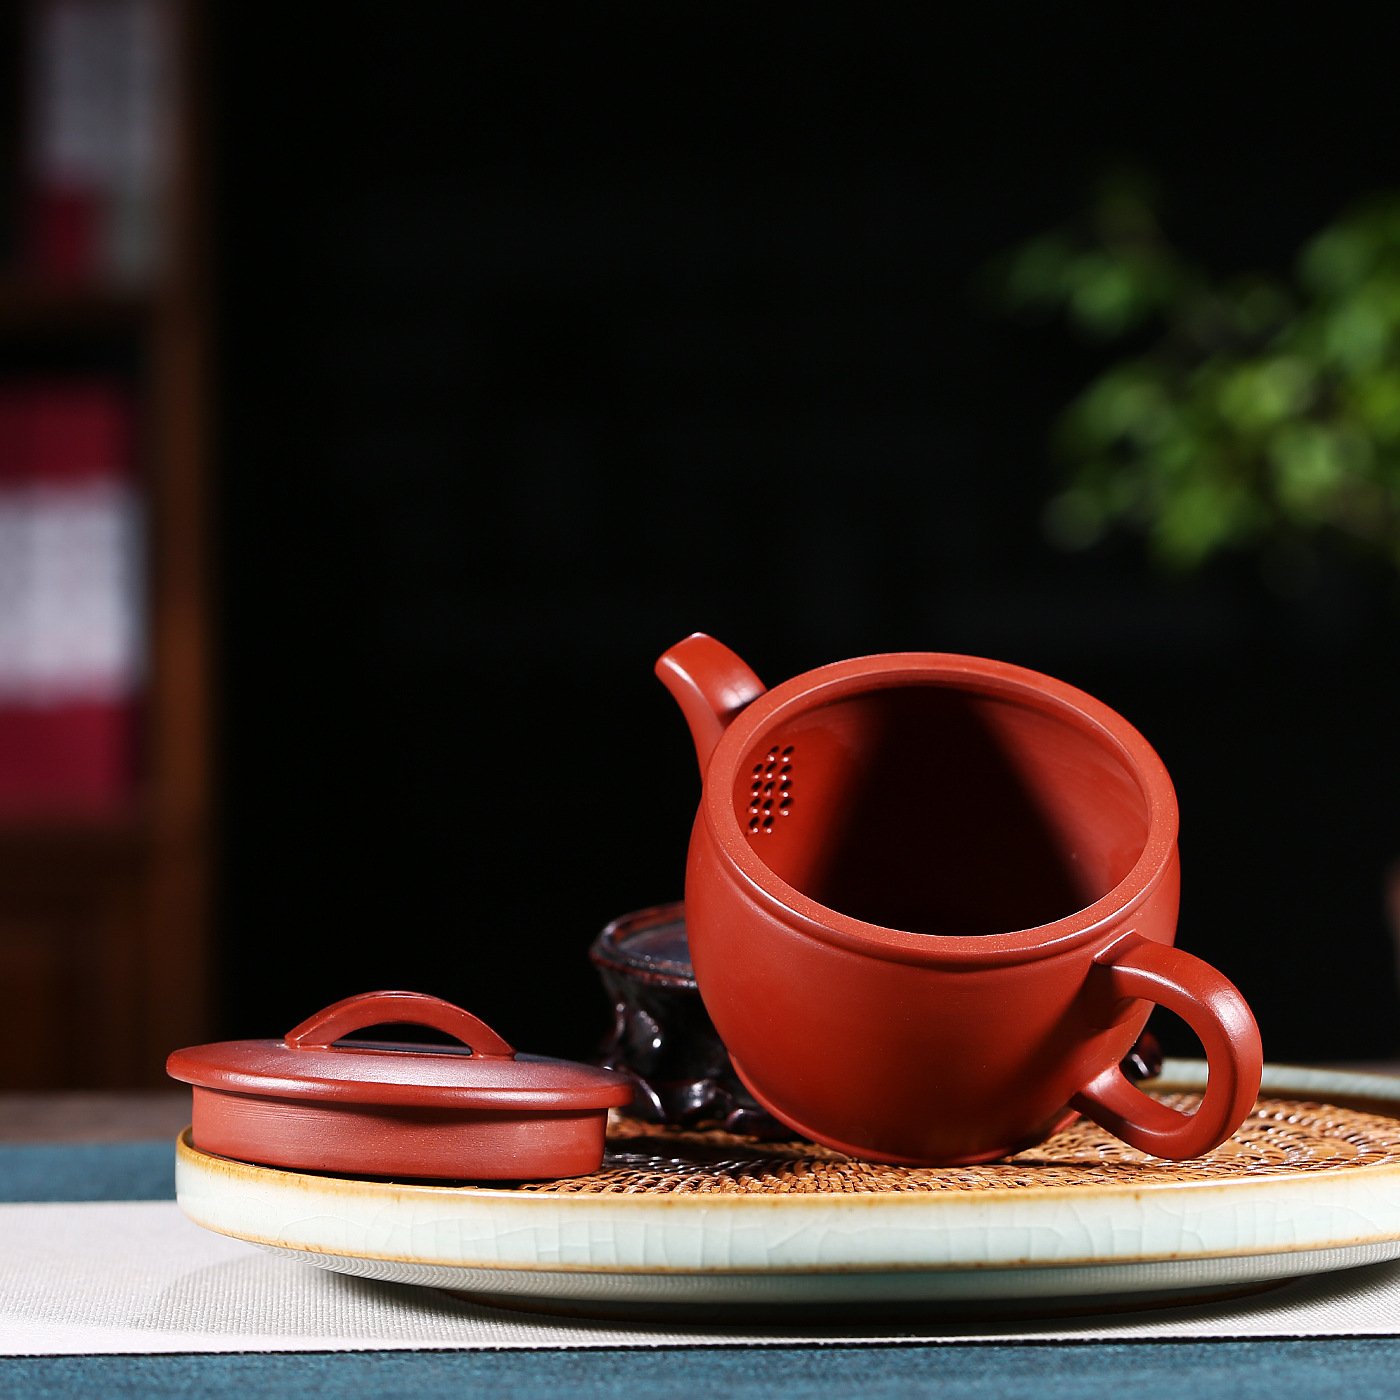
x,y
931,900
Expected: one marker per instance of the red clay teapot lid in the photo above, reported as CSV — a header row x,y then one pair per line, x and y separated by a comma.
x,y
314,1062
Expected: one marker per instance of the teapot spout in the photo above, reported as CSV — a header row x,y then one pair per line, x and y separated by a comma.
x,y
710,684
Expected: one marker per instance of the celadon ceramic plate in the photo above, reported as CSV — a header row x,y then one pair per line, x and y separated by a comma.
x,y
678,1220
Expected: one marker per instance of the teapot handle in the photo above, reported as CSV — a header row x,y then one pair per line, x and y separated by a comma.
x,y
1135,968
710,684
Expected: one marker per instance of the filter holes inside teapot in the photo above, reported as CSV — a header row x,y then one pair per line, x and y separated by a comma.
x,y
772,783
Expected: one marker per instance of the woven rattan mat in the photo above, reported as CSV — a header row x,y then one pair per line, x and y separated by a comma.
x,y
1281,1137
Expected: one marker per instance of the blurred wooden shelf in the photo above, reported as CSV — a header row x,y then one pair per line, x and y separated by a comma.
x,y
106,925
31,308
63,843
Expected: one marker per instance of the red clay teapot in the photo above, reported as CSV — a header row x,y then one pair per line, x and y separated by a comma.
x,y
931,900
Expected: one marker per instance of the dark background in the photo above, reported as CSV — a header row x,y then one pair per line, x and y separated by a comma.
x,y
548,335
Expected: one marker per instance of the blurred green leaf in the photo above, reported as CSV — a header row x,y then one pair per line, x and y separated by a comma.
x,y
1311,463
1259,393
1035,274
1336,260
1263,413
1374,398
1355,334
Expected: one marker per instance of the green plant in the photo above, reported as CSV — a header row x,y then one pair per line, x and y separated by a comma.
x,y
1252,412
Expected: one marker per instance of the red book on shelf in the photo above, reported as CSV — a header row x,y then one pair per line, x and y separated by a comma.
x,y
68,760
70,617
64,234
